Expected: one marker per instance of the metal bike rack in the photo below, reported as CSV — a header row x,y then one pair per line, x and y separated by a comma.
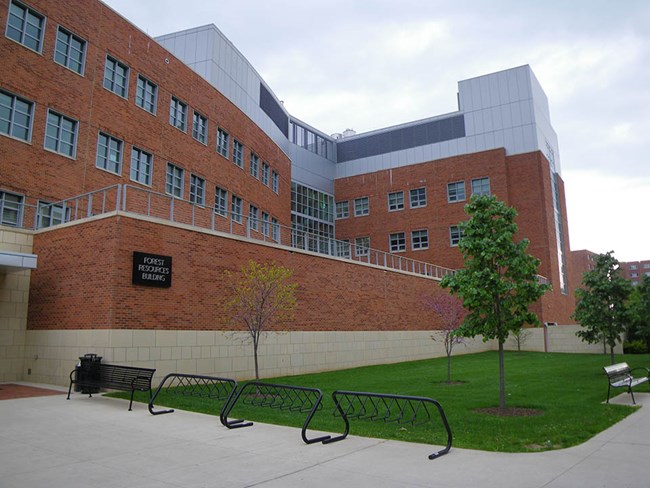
x,y
388,408
197,386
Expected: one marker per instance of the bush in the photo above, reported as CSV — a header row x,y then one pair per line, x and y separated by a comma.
x,y
637,346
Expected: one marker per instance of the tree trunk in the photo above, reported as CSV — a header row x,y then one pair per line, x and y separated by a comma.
x,y
449,368
257,369
612,353
502,378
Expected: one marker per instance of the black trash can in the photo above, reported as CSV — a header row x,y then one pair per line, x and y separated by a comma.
x,y
87,371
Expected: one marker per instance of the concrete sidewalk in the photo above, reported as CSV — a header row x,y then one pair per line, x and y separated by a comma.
x,y
96,442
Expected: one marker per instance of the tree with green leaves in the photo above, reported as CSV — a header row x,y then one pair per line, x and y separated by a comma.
x,y
639,308
499,281
260,298
601,304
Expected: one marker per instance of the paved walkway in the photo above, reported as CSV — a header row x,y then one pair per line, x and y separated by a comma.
x,y
50,442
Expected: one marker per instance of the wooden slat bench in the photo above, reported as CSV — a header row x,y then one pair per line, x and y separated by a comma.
x,y
621,376
115,377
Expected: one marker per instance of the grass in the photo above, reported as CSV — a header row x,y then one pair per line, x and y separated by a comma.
x,y
568,388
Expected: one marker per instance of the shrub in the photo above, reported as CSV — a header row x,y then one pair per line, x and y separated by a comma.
x,y
637,346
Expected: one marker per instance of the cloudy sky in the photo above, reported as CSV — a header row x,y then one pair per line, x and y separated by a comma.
x,y
369,64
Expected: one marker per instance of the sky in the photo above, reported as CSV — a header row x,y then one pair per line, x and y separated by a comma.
x,y
369,64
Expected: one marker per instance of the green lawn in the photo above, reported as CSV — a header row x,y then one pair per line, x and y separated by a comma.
x,y
568,388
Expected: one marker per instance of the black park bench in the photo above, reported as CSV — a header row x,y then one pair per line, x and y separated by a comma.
x,y
621,376
113,377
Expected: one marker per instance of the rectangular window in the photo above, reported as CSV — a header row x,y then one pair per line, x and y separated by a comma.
x,y
200,128
342,210
361,206
61,134
178,114
236,208
174,181
275,182
109,153
238,153
418,197
634,275
343,249
253,217
116,77
51,214
25,26
396,201
265,224
481,186
223,141
420,239
633,266
220,201
455,235
275,229
197,190
11,209
266,173
70,50
456,191
646,265
15,116
141,165
397,242
255,166
146,96
362,246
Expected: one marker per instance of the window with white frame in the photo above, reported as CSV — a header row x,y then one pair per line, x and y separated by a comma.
x,y
455,235
223,141
146,96
265,224
362,246
419,239
197,190
646,265
481,186
361,206
397,242
174,180
141,166
456,191
178,114
200,128
236,208
238,153
275,229
255,166
342,209
11,209
253,217
266,173
116,77
275,182
634,275
343,249
15,116
633,266
70,50
221,201
50,214
418,197
26,26
109,153
395,201
61,134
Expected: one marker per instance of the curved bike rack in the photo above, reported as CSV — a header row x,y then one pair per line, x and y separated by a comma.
x,y
198,386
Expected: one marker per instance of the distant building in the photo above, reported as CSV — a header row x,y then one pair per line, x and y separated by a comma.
x,y
634,271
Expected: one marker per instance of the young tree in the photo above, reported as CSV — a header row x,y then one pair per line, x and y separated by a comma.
x,y
520,337
499,281
639,307
451,312
601,303
260,297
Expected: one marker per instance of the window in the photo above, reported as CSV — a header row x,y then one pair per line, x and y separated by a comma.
x,y
253,217
238,153
362,246
51,214
255,166
70,50
633,266
456,191
418,197
15,116
61,134
342,210
455,235
178,114
109,153
141,165
236,208
480,186
146,96
197,190
174,181
116,77
223,140
647,273
343,249
275,182
11,209
420,239
220,201
396,201
265,224
361,206
275,229
646,265
634,275
397,242
25,26
266,170
200,128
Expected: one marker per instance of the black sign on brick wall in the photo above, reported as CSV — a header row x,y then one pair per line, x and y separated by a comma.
x,y
152,270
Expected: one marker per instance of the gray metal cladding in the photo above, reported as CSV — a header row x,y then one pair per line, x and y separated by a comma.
x,y
273,109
